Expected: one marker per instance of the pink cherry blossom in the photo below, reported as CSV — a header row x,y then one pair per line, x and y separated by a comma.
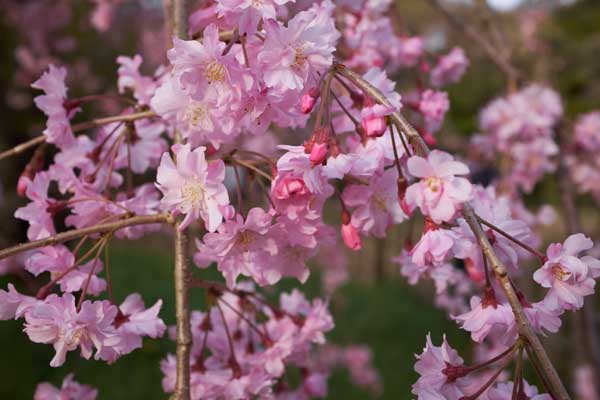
x,y
291,53
433,366
38,211
450,68
13,304
56,321
504,391
193,186
565,274
69,390
58,260
433,248
587,131
486,314
434,105
376,206
52,103
439,193
247,14
243,246
143,87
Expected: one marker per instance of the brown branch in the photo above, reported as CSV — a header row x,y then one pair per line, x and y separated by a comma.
x,y
76,128
469,215
182,272
76,233
496,56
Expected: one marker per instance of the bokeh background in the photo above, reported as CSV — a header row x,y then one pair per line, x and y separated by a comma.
x,y
376,307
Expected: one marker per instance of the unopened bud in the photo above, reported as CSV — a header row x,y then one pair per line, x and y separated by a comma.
x,y
22,185
308,100
318,154
374,126
351,237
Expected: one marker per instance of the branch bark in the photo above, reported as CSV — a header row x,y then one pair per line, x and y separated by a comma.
x,y
182,272
76,233
525,329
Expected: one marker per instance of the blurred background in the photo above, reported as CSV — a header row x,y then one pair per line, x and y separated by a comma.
x,y
557,42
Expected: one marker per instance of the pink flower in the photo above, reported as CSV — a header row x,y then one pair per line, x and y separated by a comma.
x,y
375,206
439,193
70,390
57,260
52,103
38,211
56,321
433,248
566,274
587,131
246,14
243,247
440,373
486,314
410,51
503,391
305,46
143,87
360,365
450,68
193,186
433,105
13,304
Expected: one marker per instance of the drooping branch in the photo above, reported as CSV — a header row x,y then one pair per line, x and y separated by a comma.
x,y
77,233
77,128
498,57
525,329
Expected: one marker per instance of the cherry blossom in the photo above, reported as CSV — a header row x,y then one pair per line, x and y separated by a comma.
x,y
439,193
69,390
567,275
193,186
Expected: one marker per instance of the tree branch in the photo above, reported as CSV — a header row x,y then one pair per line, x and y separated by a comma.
x,y
76,128
182,273
469,215
76,233
494,54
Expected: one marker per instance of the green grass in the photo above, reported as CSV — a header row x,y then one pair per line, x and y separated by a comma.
x,y
391,318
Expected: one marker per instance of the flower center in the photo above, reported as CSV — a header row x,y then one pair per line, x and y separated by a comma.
x,y
299,58
433,183
559,272
196,114
379,202
257,3
244,239
214,71
193,193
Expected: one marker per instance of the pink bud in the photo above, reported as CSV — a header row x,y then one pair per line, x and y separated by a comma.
x,y
351,237
308,100
22,184
476,274
315,385
318,154
374,126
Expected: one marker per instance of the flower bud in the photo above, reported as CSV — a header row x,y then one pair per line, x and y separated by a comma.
x,y
318,154
374,126
308,100
22,185
351,237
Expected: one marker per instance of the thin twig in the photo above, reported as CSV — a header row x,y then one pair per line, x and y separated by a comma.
x,y
76,128
76,233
